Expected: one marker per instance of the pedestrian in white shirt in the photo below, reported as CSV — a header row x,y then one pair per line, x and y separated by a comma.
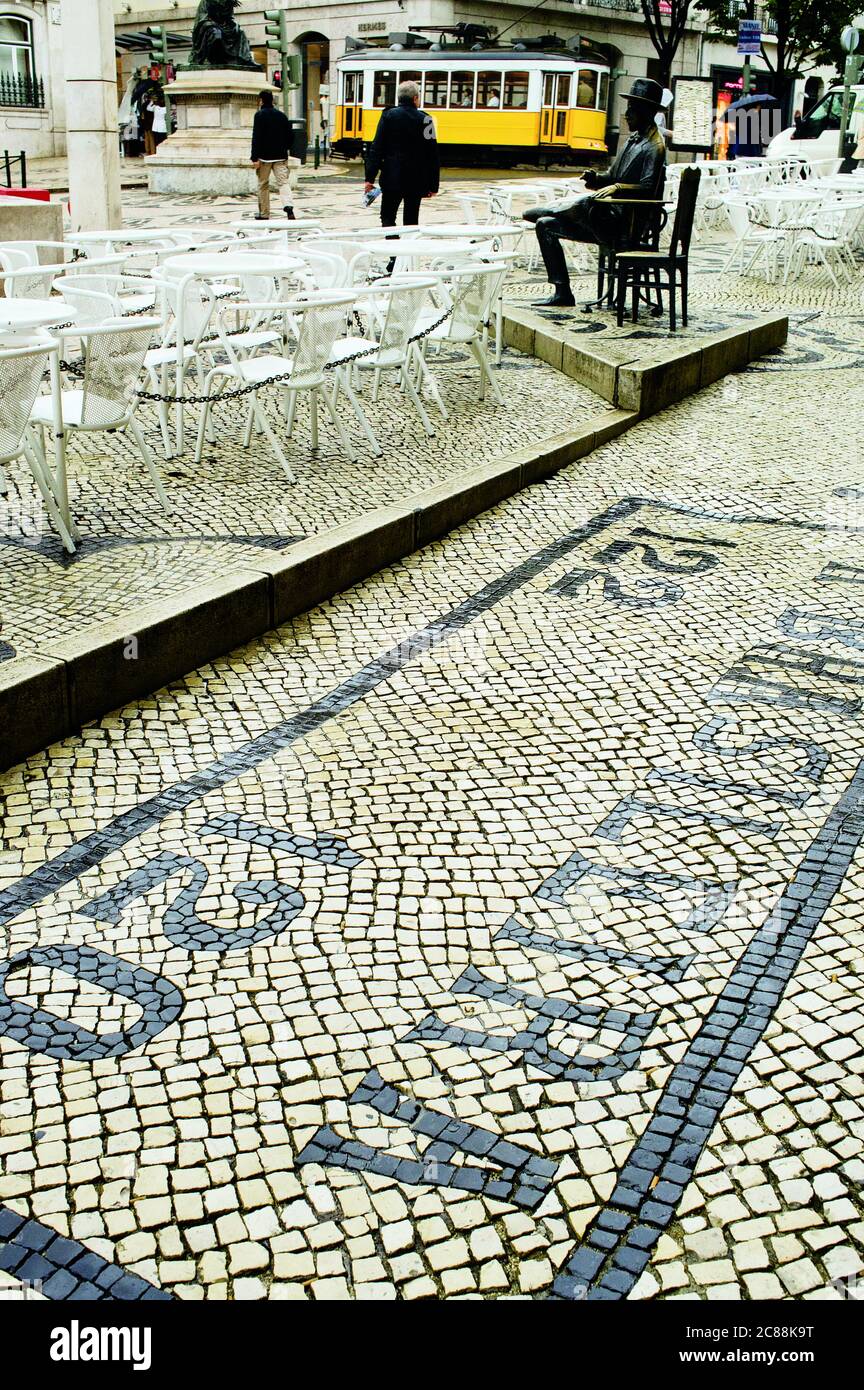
x,y
160,119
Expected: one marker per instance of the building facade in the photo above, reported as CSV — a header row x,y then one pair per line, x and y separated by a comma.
x,y
32,108
31,56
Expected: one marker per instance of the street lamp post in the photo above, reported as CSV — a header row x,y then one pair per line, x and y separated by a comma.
x,y
852,42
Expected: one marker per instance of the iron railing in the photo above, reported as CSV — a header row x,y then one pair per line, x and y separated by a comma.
x,y
21,91
9,162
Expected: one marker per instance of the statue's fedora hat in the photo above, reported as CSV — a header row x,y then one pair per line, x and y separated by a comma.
x,y
646,90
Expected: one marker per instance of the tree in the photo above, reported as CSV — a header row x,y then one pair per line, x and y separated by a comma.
x,y
804,31
666,21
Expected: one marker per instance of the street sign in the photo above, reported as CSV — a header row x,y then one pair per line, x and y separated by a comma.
x,y
749,35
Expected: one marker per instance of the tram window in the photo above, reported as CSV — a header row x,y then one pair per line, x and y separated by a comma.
x,y
462,89
548,88
562,96
603,100
384,91
488,90
586,92
411,77
352,88
515,90
435,91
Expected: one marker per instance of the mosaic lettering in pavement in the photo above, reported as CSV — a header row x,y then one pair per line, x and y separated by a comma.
x,y
494,931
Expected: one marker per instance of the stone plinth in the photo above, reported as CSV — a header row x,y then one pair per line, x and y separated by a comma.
x,y
209,153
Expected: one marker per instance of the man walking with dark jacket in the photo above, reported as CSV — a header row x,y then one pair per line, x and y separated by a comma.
x,y
271,142
405,154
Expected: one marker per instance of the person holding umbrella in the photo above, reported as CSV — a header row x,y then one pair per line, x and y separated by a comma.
x,y
751,134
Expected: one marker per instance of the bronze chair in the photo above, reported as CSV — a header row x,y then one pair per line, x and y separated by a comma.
x,y
646,218
635,267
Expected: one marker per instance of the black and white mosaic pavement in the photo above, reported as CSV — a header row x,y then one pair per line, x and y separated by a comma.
x,y
492,931
496,938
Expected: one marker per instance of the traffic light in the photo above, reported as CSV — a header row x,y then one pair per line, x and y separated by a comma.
x,y
276,30
159,51
295,69
159,58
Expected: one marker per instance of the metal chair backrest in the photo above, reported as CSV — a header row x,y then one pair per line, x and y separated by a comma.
x,y
113,360
87,295
30,281
403,301
473,292
321,320
500,206
14,258
685,212
738,212
356,261
21,371
190,300
327,270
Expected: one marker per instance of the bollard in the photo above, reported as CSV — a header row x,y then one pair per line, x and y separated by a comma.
x,y
23,169
8,162
317,151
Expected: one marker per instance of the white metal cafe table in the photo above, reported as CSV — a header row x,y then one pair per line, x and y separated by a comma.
x,y
101,243
213,265
18,319
409,249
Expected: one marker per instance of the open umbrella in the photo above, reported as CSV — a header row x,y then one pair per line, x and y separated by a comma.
x,y
754,99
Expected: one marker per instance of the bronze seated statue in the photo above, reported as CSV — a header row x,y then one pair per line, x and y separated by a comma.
x,y
217,39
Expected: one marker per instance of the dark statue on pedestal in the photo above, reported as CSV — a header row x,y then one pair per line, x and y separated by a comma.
x,y
217,39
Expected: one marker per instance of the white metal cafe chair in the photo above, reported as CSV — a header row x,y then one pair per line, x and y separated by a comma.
x,y
390,310
21,372
317,319
470,294
95,306
194,332
114,355
828,241
752,243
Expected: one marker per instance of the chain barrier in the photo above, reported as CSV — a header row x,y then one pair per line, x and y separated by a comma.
x,y
283,376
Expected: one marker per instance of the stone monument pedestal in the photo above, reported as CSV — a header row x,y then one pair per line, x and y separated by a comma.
x,y
209,153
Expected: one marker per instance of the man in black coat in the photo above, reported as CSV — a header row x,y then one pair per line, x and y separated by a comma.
x,y
405,154
271,143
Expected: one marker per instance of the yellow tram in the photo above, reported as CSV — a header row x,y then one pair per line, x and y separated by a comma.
x,y
496,105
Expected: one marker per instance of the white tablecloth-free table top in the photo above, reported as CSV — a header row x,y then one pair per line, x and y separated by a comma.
x,y
134,236
213,266
254,227
23,315
415,248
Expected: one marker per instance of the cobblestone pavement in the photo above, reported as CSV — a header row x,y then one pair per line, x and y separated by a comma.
x,y
492,930
133,553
